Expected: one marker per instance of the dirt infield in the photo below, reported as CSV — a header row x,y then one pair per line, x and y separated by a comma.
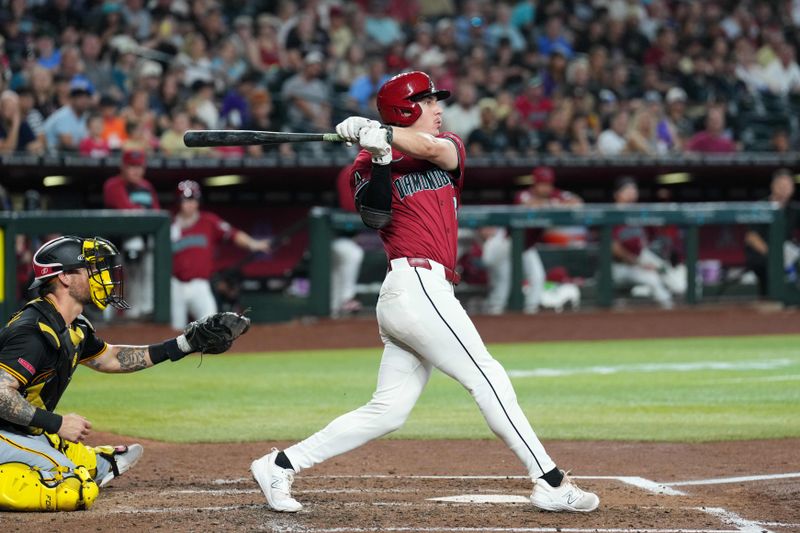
x,y
389,485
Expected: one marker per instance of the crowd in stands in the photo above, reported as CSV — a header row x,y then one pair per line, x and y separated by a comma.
x,y
580,77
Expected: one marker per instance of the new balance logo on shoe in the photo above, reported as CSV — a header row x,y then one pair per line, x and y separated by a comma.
x,y
566,497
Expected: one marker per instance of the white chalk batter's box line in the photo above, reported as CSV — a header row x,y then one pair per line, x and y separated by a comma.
x,y
639,482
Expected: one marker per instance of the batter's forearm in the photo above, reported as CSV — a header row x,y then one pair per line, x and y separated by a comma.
x,y
13,407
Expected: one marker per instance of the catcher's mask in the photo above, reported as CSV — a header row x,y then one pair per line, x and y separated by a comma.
x,y
100,258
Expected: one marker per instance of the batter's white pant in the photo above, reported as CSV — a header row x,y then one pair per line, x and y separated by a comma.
x,y
346,258
497,258
423,326
191,297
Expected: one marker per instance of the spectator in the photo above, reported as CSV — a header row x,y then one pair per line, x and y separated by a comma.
x,y
346,256
484,139
612,140
15,133
66,128
96,69
675,128
261,119
171,141
631,263
713,139
131,190
782,75
581,136
642,134
307,97
554,38
555,138
31,115
367,85
341,36
756,240
114,132
94,145
463,116
513,138
196,236
502,28
533,106
202,105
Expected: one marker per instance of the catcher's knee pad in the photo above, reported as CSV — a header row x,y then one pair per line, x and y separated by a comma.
x,y
78,453
24,489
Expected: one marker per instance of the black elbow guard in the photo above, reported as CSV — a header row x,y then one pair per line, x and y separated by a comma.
x,y
374,218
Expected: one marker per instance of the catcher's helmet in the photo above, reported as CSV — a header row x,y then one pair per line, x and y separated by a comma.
x,y
397,99
189,189
99,257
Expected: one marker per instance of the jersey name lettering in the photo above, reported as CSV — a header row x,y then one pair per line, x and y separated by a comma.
x,y
430,180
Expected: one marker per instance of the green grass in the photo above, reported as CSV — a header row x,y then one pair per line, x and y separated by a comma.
x,y
288,395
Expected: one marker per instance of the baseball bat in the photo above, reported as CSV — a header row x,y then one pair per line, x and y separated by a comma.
x,y
198,138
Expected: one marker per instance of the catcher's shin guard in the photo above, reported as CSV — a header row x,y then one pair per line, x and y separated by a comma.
x,y
23,489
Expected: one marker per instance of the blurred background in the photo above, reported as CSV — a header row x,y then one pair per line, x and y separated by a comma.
x,y
654,106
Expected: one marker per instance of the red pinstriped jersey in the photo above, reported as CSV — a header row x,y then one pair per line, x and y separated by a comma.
x,y
425,202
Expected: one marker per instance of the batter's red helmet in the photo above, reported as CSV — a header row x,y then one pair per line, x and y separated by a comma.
x,y
397,99
189,189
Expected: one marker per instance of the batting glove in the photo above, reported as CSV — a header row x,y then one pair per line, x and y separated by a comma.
x,y
374,140
350,127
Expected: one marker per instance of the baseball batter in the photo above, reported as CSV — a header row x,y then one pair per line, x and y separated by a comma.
x,y
407,183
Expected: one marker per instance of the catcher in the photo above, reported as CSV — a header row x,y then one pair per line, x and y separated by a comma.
x,y
44,465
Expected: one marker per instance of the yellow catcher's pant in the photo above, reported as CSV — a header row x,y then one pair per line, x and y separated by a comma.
x,y
48,473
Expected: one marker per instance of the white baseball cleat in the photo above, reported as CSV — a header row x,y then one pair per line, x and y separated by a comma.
x,y
566,497
125,458
275,483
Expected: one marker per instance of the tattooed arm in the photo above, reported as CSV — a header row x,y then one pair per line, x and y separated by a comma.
x,y
121,359
13,407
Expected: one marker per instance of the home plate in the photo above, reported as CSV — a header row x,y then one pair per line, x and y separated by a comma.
x,y
483,498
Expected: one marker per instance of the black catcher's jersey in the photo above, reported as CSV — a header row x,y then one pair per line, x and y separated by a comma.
x,y
42,352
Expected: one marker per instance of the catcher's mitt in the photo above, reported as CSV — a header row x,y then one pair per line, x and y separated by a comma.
x,y
216,333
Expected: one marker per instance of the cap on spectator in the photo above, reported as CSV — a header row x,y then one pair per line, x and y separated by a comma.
x,y
80,87
336,11
314,57
676,94
134,157
543,175
150,69
606,96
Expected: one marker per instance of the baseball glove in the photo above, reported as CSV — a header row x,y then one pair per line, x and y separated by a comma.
x,y
216,333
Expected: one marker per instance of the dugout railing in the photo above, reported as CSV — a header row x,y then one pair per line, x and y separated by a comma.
x,y
326,222
87,223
